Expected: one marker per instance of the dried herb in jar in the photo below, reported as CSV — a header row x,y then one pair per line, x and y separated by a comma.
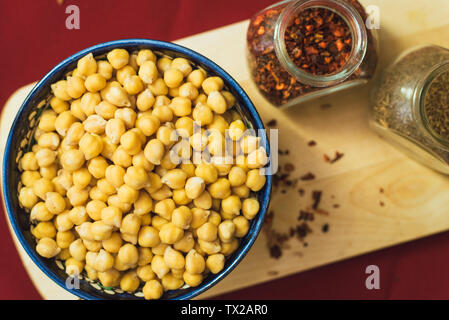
x,y
436,105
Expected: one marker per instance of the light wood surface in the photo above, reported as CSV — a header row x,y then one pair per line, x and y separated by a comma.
x,y
414,197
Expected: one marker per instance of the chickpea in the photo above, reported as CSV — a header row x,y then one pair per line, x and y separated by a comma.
x,y
159,266
180,197
145,100
127,194
91,145
91,272
93,246
175,178
203,201
49,140
75,87
109,278
226,231
182,217
215,263
76,111
54,202
94,124
87,65
241,226
114,93
196,77
101,230
145,55
131,238
186,243
148,237
40,212
49,172
146,219
130,224
173,77
170,233
212,84
77,196
88,102
207,172
40,188
236,130
249,144
121,157
106,110
78,250
192,279
131,142
173,258
58,105
227,248
209,247
64,238
112,244
111,215
47,248
45,157
237,176
241,191
217,102
105,187
152,290
154,151
129,282
207,232
145,256
78,215
47,120
255,180
114,129
220,189
231,205
203,114
194,262
44,229
145,273
139,160
105,69
115,175
166,135
125,72
103,261
181,106
74,133
163,112
154,183
133,85
64,254
118,58
143,204
59,89
29,177
148,72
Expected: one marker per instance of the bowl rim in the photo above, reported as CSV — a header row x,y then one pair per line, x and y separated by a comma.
x,y
154,45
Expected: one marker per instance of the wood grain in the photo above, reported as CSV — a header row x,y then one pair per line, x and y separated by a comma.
x,y
384,198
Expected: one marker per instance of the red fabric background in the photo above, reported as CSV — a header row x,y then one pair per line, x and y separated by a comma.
x,y
34,39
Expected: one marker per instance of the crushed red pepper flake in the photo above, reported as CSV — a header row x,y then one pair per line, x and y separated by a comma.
x,y
316,196
307,176
338,155
272,123
311,143
320,45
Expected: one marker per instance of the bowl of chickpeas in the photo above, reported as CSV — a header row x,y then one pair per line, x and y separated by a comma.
x,y
137,169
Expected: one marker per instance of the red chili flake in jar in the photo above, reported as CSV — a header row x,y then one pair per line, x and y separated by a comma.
x,y
302,49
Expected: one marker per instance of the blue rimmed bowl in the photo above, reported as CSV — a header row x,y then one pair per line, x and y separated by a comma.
x,y
20,140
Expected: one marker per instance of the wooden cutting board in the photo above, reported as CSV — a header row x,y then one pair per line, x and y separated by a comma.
x,y
383,198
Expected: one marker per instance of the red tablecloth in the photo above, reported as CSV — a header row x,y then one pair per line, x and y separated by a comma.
x,y
34,38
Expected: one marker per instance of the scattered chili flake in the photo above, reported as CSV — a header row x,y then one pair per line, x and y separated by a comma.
x,y
308,176
301,192
275,251
382,203
272,123
336,206
306,216
289,167
338,156
381,190
272,273
322,211
305,244
316,196
325,228
311,143
326,106
283,191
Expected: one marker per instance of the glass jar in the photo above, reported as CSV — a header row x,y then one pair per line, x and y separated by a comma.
x,y
410,105
277,47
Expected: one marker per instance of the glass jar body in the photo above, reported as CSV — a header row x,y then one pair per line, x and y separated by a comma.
x,y
278,79
396,112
